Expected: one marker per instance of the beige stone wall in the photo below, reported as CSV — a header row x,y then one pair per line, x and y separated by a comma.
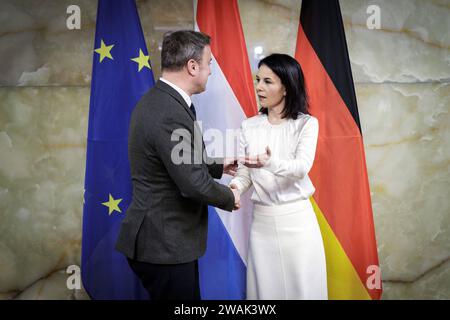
x,y
402,79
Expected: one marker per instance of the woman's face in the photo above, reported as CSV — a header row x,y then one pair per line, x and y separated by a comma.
x,y
271,92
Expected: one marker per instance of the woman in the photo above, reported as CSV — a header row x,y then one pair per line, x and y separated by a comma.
x,y
286,258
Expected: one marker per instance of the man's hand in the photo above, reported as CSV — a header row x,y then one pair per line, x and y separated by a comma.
x,y
257,161
237,196
230,166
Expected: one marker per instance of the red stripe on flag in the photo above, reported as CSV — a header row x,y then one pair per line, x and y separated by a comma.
x,y
339,172
221,20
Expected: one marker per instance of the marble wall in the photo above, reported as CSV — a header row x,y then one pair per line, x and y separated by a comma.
x,y
402,79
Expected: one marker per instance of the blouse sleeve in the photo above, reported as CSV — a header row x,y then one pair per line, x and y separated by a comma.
x,y
304,156
242,178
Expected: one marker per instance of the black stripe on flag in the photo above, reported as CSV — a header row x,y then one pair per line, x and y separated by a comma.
x,y
322,23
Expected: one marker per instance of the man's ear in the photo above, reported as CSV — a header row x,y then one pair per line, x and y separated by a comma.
x,y
192,67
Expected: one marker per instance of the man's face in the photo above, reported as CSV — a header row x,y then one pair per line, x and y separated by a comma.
x,y
204,70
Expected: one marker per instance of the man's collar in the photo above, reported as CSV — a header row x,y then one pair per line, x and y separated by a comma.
x,y
182,93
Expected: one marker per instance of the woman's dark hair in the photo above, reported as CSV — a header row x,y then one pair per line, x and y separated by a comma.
x,y
291,75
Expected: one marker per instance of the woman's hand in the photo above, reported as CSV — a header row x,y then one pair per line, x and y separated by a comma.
x,y
230,166
257,161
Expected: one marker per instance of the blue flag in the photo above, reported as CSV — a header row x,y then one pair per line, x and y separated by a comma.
x,y
121,74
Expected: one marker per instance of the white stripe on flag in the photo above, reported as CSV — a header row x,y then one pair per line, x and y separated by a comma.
x,y
218,108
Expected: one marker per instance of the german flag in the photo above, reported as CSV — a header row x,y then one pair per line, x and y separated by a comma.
x,y
342,198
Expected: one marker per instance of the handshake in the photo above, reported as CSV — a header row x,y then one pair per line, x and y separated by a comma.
x,y
230,167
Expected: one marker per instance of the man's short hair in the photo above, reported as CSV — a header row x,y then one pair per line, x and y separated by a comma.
x,y
180,46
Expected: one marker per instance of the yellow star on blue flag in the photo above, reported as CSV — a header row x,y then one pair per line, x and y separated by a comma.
x,y
142,60
104,51
112,204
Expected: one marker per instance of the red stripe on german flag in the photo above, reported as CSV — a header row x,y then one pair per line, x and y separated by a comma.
x,y
342,198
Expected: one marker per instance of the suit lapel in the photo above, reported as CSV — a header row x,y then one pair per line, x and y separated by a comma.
x,y
174,94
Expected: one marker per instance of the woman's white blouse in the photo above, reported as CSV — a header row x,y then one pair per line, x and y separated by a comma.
x,y
284,178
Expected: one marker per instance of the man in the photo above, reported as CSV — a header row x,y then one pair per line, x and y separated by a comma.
x,y
165,228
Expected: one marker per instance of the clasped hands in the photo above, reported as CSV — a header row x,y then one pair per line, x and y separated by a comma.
x,y
230,167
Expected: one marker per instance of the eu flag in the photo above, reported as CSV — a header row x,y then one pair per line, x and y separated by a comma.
x,y
121,74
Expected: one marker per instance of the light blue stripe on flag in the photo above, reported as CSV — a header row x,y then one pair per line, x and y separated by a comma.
x,y
222,271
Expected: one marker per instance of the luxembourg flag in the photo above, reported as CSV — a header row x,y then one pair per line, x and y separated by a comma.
x,y
228,100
